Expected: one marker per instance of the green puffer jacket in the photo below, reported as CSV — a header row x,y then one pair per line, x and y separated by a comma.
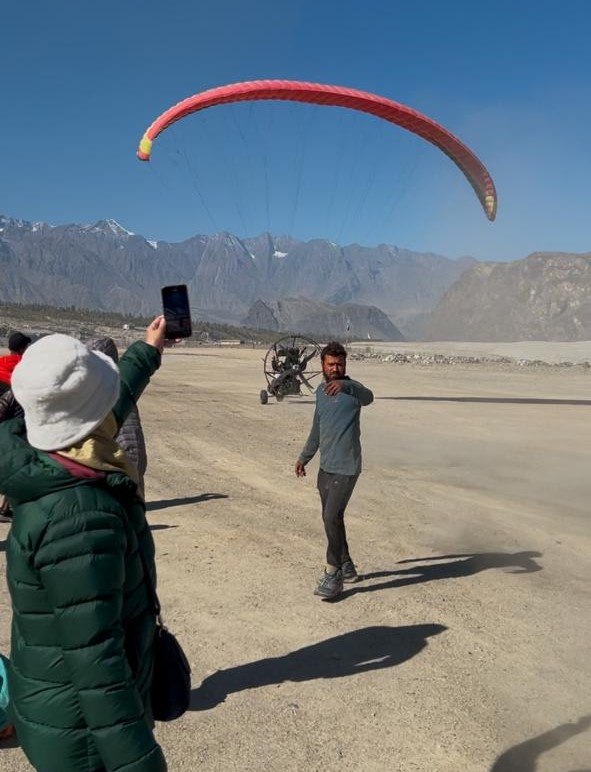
x,y
83,629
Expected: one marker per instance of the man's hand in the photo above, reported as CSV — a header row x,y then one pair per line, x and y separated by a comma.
x,y
300,469
333,387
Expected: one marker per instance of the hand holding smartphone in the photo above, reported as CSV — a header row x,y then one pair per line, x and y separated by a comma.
x,y
177,312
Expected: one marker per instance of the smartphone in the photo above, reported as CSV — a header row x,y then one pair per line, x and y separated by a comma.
x,y
177,312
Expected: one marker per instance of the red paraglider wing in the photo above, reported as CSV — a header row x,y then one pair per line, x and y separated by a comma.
x,y
336,96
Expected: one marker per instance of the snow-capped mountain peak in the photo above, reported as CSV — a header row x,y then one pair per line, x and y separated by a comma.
x,y
110,228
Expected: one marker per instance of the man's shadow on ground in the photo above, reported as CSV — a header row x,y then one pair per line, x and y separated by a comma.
x,y
466,564
524,757
166,503
3,546
358,651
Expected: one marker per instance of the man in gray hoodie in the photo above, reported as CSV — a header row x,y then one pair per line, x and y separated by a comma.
x,y
336,433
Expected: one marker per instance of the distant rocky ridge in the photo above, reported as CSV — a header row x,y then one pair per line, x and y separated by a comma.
x,y
105,266
546,296
301,315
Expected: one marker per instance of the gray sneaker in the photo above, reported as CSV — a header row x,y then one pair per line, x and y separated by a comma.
x,y
349,572
330,585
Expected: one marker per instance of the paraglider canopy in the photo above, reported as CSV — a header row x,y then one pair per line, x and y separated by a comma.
x,y
337,96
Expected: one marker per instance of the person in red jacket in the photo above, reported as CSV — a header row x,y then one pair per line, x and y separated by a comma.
x,y
9,408
18,343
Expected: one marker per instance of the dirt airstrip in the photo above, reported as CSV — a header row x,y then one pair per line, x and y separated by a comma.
x,y
465,648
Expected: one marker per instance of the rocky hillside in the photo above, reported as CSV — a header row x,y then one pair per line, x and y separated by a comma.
x,y
546,296
311,316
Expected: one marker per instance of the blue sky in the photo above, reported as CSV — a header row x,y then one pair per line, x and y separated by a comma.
x,y
82,81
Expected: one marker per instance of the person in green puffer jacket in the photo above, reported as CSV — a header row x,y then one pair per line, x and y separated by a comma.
x,y
83,626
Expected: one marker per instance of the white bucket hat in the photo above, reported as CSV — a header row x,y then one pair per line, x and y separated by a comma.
x,y
65,390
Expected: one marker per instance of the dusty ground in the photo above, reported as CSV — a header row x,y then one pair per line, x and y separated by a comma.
x,y
466,645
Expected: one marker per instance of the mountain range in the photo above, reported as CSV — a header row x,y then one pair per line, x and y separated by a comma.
x,y
105,266
280,282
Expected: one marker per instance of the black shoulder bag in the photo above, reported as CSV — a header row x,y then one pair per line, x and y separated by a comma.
x,y
171,679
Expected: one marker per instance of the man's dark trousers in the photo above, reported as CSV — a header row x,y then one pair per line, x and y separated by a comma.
x,y
335,491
